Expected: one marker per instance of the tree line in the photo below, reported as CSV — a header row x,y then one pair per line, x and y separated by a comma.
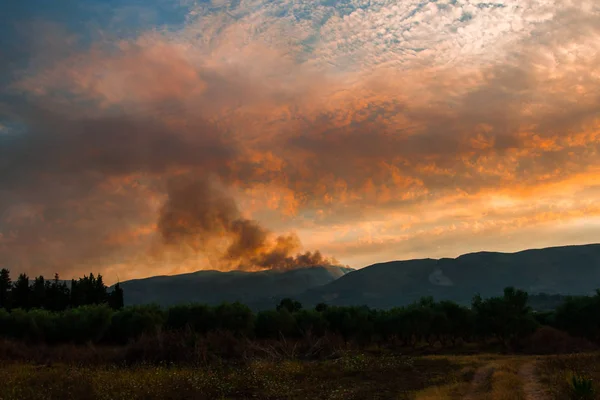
x,y
505,319
56,295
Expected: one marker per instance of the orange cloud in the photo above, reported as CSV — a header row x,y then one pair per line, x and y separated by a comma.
x,y
444,152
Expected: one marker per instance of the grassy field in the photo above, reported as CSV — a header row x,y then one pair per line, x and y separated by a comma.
x,y
352,376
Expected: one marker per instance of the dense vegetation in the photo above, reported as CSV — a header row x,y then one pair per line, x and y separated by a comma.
x,y
146,352
56,295
49,312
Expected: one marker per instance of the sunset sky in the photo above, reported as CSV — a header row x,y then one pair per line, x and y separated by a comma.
x,y
164,136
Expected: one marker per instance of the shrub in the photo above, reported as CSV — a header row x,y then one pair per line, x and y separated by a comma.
x,y
548,340
310,322
85,323
289,305
581,387
19,324
273,324
236,318
5,322
132,322
351,322
580,317
199,317
44,326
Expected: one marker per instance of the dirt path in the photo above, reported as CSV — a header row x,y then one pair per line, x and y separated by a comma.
x,y
531,386
480,383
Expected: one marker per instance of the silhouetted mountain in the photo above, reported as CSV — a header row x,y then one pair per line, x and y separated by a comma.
x,y
257,289
564,270
558,270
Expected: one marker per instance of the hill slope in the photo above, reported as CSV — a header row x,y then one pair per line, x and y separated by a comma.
x,y
566,270
257,289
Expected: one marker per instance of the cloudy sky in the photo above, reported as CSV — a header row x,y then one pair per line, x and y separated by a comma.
x,y
158,137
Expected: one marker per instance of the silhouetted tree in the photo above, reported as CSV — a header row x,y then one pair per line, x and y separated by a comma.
x,y
115,298
57,295
458,322
5,288
100,295
507,318
88,290
290,305
350,322
580,316
21,293
74,294
38,295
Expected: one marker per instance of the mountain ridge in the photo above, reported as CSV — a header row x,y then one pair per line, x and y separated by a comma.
x,y
212,287
571,269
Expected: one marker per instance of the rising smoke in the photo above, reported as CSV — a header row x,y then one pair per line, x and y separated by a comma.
x,y
203,217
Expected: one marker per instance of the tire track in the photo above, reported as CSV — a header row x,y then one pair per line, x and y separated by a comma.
x,y
531,387
480,384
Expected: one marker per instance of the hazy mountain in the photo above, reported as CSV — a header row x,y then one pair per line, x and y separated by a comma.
x,y
557,270
565,270
257,289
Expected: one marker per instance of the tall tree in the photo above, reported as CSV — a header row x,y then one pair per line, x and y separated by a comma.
x,y
290,305
99,289
74,295
21,293
38,298
115,299
88,290
508,318
5,286
57,295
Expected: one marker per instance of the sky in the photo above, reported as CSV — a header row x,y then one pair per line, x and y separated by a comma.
x,y
140,138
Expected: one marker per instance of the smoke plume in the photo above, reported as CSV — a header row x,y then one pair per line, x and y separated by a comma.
x,y
202,217
385,132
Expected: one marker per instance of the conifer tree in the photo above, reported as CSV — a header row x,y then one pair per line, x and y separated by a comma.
x,y
115,299
21,293
38,298
5,287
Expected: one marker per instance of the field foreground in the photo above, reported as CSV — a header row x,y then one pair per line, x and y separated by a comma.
x,y
353,376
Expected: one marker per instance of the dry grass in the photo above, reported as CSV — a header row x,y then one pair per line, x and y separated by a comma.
x,y
457,388
267,371
355,376
506,382
555,371
493,377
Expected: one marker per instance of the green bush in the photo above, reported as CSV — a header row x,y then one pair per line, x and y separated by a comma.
x,y
580,316
507,319
351,322
274,324
199,317
5,322
132,322
19,325
85,324
236,318
310,322
44,326
581,387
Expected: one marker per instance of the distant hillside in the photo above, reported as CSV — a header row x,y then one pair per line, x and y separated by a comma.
x,y
564,270
557,270
257,289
